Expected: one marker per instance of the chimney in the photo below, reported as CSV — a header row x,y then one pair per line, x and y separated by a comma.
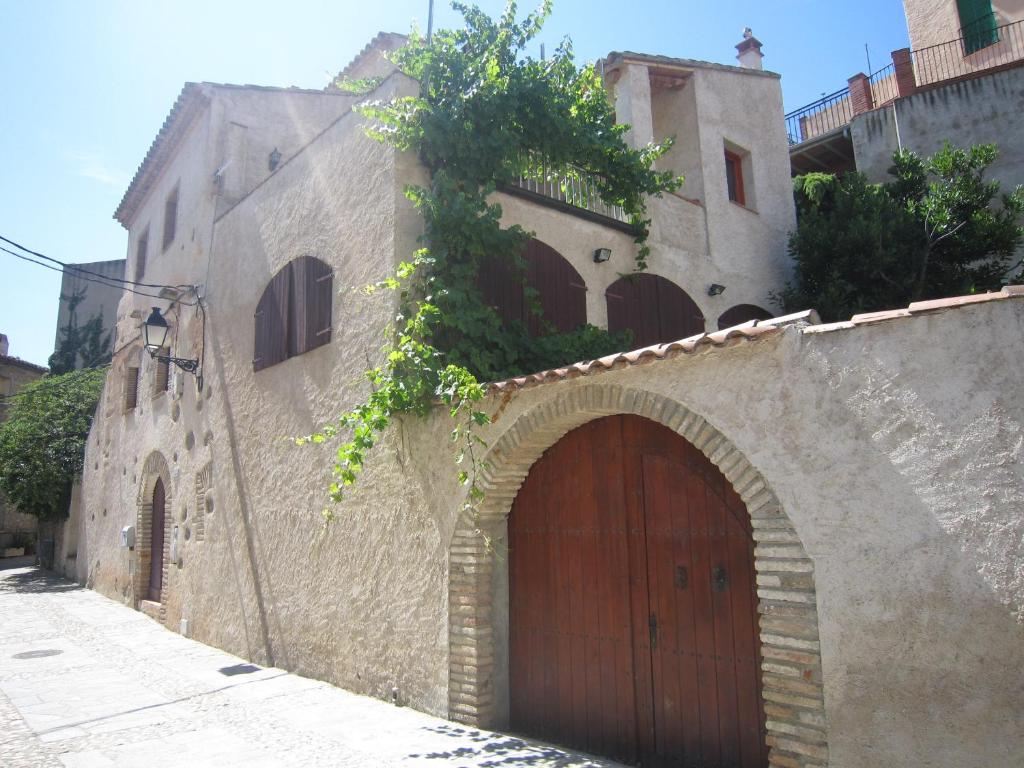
x,y
3,345
750,51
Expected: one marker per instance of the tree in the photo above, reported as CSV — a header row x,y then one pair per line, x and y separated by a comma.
x,y
86,344
938,228
42,442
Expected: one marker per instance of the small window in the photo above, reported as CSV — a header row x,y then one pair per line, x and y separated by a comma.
x,y
294,313
140,255
161,380
131,388
734,177
170,218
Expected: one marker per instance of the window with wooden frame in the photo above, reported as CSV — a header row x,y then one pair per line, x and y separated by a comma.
x,y
170,218
294,313
140,255
131,388
734,177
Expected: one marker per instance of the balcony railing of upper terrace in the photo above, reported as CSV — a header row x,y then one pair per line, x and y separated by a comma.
x,y
983,45
572,190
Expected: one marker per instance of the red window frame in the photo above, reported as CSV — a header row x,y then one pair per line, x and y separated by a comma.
x,y
734,177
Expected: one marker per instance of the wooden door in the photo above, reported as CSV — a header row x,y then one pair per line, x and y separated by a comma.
x,y
156,545
632,607
654,308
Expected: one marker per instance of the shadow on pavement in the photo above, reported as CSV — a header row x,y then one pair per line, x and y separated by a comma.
x,y
27,578
497,749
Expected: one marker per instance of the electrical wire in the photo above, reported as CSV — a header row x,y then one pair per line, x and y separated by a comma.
x,y
83,277
84,271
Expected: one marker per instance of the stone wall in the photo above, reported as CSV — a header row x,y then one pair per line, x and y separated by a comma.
x,y
977,111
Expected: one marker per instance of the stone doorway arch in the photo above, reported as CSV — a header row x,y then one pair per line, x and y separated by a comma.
x,y
153,469
478,662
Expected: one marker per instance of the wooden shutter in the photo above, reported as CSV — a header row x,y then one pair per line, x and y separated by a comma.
x,y
310,316
163,374
563,294
271,344
140,256
131,388
654,308
741,313
978,24
561,291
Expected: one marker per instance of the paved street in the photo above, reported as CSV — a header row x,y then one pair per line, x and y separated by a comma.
x,y
88,683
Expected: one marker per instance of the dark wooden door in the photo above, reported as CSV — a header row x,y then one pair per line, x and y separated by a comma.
x,y
654,308
632,608
156,545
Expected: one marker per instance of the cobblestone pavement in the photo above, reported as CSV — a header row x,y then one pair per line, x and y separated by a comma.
x,y
88,683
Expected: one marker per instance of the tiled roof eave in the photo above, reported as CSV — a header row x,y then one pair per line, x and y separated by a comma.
x,y
190,103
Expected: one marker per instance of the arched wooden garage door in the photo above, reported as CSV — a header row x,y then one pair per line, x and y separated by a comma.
x,y
632,604
654,308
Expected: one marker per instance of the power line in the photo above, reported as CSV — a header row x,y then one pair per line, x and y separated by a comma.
x,y
99,281
84,271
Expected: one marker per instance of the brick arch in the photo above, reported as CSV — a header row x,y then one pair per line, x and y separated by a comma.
x,y
787,601
154,468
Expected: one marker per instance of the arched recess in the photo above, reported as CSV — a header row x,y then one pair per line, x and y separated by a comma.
x,y
742,313
654,308
293,315
478,618
560,290
153,469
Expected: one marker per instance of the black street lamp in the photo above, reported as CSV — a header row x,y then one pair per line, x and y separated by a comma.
x,y
155,331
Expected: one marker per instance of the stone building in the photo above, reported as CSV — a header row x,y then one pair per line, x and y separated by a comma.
x,y
962,80
89,290
15,373
849,591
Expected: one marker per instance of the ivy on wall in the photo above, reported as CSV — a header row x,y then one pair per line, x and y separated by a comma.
x,y
486,115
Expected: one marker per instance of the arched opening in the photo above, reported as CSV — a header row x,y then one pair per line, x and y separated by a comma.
x,y
557,285
156,543
152,524
293,315
632,602
741,313
654,308
479,619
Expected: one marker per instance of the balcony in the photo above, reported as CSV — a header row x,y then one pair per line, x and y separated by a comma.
x,y
571,190
817,132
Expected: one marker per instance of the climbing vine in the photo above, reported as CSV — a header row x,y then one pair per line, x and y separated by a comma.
x,y
486,115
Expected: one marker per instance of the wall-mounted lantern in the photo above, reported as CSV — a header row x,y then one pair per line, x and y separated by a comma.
x,y
155,332
602,255
715,289
274,160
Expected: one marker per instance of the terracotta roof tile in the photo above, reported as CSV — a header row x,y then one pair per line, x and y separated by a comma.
x,y
384,41
189,103
745,332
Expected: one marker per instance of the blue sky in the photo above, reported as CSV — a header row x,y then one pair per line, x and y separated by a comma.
x,y
86,84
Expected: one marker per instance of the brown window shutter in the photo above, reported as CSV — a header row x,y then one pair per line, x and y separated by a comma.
x,y
131,388
561,292
271,343
319,294
163,370
654,308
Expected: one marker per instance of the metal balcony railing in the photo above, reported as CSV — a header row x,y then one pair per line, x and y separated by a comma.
x,y
569,186
982,45
820,117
